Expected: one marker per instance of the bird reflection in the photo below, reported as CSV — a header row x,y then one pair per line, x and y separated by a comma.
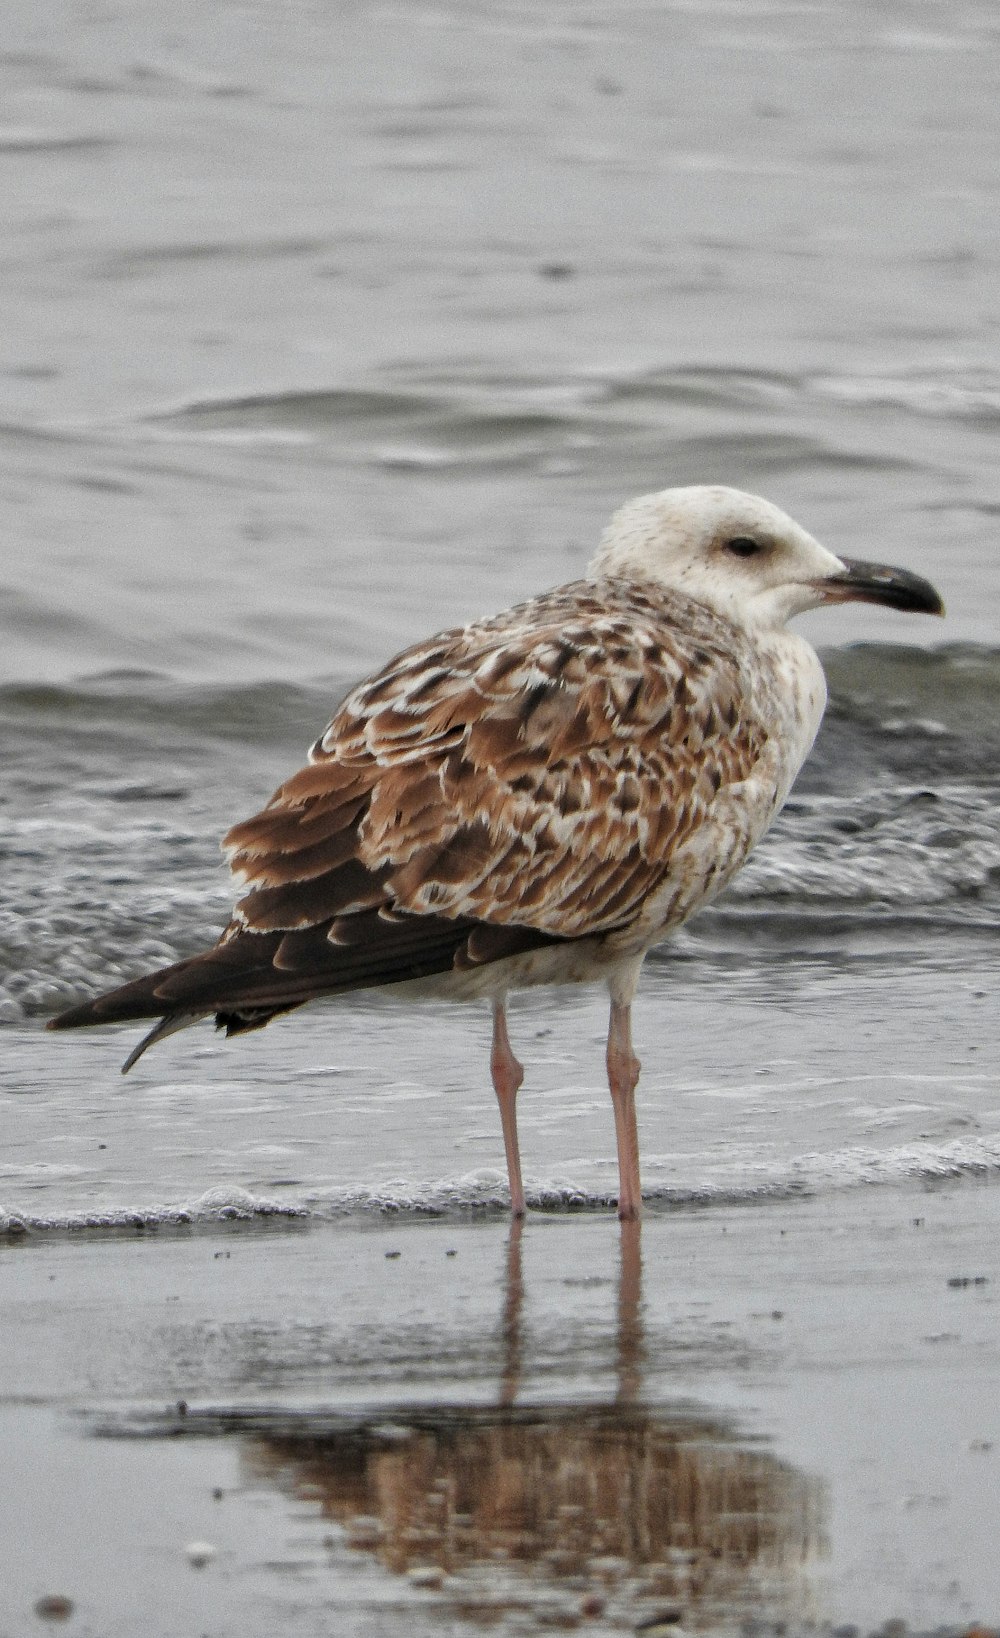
x,y
645,1503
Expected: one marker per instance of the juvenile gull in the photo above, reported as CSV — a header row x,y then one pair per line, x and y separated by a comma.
x,y
539,797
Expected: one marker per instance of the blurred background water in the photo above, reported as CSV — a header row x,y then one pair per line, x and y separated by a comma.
x,y
326,327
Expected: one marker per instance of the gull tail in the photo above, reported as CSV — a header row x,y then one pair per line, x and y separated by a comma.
x,y
140,999
224,981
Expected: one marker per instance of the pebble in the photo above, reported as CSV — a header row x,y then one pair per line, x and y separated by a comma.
x,y
200,1553
664,1624
425,1575
363,1531
54,1607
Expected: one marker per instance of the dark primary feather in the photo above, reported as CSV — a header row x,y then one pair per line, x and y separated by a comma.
x,y
272,973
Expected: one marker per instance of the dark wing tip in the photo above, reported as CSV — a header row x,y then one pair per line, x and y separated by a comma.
x,y
75,1017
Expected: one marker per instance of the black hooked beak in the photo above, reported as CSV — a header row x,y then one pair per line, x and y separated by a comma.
x,y
879,583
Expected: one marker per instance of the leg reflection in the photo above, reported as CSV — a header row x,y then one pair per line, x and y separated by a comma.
x,y
511,1326
631,1353
629,1347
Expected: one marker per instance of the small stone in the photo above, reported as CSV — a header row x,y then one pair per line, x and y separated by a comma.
x,y
54,1607
664,1624
608,1568
425,1575
561,1560
364,1531
200,1553
559,1618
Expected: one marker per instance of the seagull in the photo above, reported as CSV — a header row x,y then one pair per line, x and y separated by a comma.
x,y
538,797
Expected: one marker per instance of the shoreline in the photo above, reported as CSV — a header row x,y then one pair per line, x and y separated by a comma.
x,y
777,1413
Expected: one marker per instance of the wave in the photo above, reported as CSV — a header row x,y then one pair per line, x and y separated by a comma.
x,y
945,391
215,1206
472,416
484,1193
35,139
915,711
130,703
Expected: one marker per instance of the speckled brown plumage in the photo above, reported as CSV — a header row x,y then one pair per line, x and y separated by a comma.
x,y
523,780
538,770
538,797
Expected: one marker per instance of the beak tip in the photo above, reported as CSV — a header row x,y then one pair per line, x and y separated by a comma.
x,y
894,588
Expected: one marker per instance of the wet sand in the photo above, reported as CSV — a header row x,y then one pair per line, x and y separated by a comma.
x,y
783,1412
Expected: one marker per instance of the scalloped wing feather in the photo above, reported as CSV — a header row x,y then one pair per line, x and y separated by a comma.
x,y
555,774
541,770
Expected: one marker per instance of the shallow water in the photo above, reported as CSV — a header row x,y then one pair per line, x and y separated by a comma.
x,y
835,1006
327,329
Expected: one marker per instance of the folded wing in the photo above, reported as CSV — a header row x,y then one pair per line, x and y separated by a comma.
x,y
526,780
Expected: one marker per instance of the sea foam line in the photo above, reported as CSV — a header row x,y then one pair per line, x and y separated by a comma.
x,y
485,1192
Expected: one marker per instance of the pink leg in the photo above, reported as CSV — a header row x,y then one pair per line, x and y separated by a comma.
x,y
507,1076
623,1073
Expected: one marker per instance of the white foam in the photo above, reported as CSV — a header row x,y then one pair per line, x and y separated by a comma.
x,y
216,1205
485,1191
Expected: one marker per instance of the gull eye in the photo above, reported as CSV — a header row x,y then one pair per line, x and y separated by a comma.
x,y
743,546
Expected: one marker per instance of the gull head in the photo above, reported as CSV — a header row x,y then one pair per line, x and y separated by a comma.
x,y
744,558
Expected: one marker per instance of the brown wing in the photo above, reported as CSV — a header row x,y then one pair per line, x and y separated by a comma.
x,y
523,781
534,771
